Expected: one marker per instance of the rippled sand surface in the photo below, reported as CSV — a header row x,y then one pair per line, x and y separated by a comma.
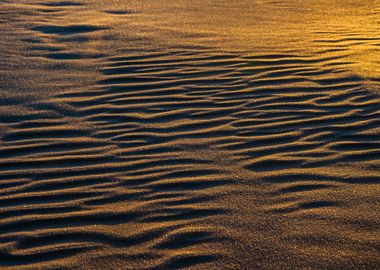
x,y
190,134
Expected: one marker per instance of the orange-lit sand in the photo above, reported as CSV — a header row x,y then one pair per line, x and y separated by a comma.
x,y
190,134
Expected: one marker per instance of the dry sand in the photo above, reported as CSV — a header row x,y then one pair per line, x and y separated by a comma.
x,y
190,134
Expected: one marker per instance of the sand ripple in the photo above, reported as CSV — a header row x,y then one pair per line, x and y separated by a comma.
x,y
198,157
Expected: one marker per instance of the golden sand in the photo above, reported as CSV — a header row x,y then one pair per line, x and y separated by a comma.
x,y
190,134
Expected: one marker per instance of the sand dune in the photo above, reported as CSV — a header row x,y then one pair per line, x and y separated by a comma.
x,y
161,135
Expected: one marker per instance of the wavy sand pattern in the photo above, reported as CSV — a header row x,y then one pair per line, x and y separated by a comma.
x,y
161,135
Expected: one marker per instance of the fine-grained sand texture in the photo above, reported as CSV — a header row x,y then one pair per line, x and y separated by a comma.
x,y
190,134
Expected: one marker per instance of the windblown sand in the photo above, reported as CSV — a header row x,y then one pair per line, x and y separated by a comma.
x,y
190,134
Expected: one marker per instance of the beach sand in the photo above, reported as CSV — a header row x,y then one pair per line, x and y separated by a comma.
x,y
190,134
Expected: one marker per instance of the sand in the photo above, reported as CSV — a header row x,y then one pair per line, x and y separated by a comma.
x,y
189,134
